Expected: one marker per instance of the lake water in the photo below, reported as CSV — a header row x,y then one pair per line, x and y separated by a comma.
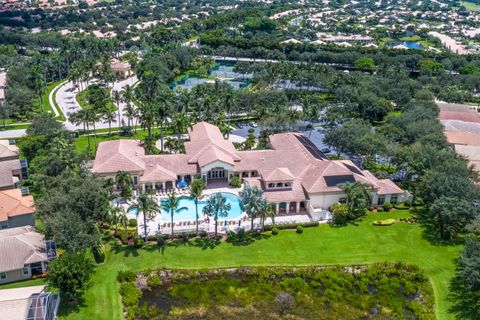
x,y
408,44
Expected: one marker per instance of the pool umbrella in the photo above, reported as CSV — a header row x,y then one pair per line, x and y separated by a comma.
x,y
182,184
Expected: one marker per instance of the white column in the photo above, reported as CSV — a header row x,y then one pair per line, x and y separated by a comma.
x,y
143,187
153,185
288,208
298,207
277,208
163,185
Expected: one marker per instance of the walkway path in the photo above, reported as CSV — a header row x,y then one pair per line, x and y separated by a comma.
x,y
65,99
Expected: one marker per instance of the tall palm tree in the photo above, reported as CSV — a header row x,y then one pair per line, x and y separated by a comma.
x,y
109,117
267,211
172,205
123,180
148,207
81,117
92,117
215,207
123,221
128,97
40,85
196,189
180,122
253,202
115,213
117,98
162,112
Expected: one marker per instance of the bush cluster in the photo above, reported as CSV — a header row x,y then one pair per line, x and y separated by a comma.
x,y
292,226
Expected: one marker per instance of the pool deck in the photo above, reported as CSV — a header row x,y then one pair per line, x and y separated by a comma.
x,y
158,225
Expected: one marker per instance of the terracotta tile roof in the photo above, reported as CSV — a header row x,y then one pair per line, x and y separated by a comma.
x,y
466,138
472,153
7,168
12,204
157,174
177,163
119,155
462,116
7,151
296,193
207,142
386,186
20,246
279,174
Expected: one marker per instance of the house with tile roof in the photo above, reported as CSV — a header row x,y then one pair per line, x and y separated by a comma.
x,y
16,209
10,165
293,173
22,254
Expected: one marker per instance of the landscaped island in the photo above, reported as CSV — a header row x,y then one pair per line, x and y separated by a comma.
x,y
379,291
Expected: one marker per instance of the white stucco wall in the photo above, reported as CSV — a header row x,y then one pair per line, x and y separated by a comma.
x,y
216,164
325,200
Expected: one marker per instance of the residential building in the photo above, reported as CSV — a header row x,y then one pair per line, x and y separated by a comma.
x,y
293,173
121,69
23,254
28,303
12,169
16,209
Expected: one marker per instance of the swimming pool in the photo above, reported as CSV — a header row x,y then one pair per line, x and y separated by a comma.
x,y
235,211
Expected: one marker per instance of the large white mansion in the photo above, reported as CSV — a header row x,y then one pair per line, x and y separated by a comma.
x,y
293,173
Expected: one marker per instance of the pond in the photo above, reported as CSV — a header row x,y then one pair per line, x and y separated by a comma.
x,y
223,71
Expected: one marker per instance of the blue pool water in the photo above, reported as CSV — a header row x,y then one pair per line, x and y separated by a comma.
x,y
408,44
189,214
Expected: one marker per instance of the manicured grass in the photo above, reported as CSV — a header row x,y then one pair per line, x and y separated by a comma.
x,y
82,100
359,243
46,103
470,6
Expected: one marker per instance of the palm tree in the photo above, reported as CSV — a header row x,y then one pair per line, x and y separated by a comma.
x,y
81,117
115,214
268,211
148,207
127,96
215,207
180,122
40,85
117,98
172,205
92,117
123,221
123,180
196,189
109,116
253,202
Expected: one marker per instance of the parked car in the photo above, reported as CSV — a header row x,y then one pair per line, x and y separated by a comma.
x,y
253,124
326,150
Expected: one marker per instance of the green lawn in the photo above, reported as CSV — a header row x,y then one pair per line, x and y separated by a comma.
x,y
46,103
362,243
470,6
82,100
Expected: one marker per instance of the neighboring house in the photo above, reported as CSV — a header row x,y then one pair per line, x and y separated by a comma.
x,y
16,209
121,69
293,173
28,303
23,254
12,169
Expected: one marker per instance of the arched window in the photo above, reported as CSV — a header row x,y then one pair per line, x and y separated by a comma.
x,y
271,185
288,184
280,185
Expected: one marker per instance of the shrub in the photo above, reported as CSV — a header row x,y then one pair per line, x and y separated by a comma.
x,y
275,231
160,241
407,203
387,206
417,203
203,233
126,276
138,242
299,229
387,222
402,206
153,281
235,182
99,253
292,226
340,213
132,223
130,294
380,209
